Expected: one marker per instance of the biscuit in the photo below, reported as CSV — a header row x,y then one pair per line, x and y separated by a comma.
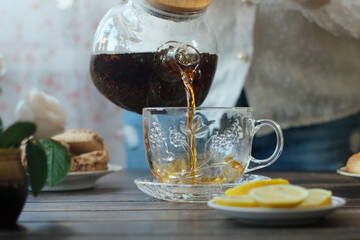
x,y
81,141
91,161
86,148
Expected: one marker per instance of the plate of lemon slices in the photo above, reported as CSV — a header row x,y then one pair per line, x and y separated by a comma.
x,y
276,202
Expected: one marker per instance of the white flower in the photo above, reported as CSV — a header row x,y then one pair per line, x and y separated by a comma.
x,y
44,110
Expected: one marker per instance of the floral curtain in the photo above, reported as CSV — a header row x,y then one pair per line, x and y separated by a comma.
x,y
45,44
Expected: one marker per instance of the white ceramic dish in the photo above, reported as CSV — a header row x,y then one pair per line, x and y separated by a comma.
x,y
81,180
187,192
278,216
342,171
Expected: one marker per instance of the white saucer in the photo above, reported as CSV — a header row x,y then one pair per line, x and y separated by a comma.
x,y
187,192
81,180
277,216
342,171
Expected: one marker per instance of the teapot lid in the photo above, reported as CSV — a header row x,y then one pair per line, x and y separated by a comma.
x,y
184,6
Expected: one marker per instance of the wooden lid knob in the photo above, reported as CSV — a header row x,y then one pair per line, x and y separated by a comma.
x,y
180,5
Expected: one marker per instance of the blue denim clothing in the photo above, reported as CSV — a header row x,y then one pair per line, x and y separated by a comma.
x,y
322,147
135,154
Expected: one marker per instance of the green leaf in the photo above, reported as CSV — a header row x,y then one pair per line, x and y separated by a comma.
x,y
17,132
1,127
37,166
58,161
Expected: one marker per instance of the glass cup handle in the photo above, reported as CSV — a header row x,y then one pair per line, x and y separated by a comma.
x,y
261,163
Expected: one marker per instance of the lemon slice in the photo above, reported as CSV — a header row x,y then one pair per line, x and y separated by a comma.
x,y
245,188
236,201
317,197
279,196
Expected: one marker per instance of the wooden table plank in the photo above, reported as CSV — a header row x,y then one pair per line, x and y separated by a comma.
x,y
115,209
127,206
110,206
323,229
150,215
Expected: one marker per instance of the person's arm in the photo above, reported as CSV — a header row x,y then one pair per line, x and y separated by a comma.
x,y
340,17
312,4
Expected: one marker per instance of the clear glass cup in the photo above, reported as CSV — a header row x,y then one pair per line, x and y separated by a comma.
x,y
203,145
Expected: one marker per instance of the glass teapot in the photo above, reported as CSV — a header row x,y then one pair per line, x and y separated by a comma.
x,y
142,50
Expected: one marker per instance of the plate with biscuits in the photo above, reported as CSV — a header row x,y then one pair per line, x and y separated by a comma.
x,y
89,160
352,168
82,180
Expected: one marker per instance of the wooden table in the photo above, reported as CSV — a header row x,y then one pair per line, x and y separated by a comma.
x,y
116,209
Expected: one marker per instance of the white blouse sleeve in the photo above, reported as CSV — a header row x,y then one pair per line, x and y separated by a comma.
x,y
340,17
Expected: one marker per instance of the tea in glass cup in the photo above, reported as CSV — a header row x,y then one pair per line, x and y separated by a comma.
x,y
203,145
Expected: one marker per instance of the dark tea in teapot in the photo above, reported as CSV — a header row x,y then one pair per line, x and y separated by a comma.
x,y
132,82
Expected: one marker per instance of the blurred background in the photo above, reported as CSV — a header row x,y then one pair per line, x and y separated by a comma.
x,y
302,57
46,44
